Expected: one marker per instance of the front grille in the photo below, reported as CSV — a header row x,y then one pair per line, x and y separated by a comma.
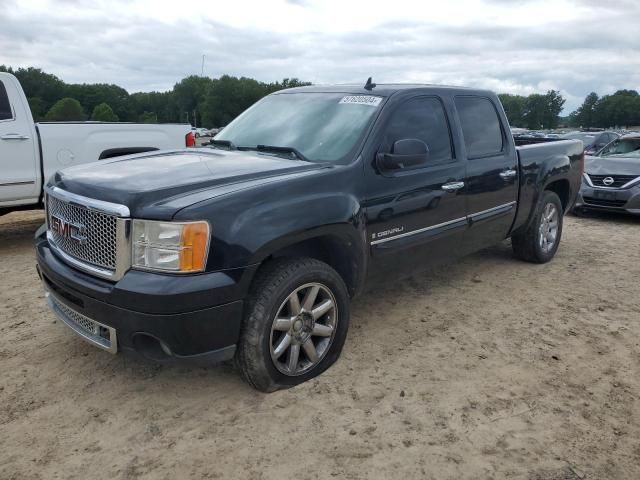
x,y
100,335
100,231
601,202
618,180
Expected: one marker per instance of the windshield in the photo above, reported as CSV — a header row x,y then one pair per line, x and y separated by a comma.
x,y
323,127
624,147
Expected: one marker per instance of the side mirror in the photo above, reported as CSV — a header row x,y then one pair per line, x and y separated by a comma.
x,y
406,154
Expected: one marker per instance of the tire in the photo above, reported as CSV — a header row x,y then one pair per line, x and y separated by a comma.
x,y
530,245
264,356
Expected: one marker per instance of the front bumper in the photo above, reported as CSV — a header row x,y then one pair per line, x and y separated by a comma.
x,y
166,318
609,199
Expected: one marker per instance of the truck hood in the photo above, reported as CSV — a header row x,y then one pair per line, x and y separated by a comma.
x,y
612,165
158,184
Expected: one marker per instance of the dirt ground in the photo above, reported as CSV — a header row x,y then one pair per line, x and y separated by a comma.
x,y
488,368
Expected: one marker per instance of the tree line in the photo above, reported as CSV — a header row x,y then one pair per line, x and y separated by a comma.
x,y
214,102
622,109
197,100
536,111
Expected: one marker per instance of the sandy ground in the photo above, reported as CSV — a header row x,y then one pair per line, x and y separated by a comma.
x,y
488,368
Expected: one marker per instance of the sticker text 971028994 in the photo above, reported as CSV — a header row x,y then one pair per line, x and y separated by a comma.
x,y
370,100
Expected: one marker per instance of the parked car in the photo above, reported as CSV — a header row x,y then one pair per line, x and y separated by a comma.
x,y
30,153
254,247
612,178
593,141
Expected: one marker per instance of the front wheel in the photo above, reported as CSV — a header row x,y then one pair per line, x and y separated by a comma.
x,y
539,242
295,323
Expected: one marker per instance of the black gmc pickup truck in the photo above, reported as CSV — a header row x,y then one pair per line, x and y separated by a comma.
x,y
253,246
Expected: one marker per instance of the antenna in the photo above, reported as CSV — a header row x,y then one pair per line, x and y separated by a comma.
x,y
369,85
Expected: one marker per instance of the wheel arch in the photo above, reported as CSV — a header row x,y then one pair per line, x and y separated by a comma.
x,y
562,188
339,247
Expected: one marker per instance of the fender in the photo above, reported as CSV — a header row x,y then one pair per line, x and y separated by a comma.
x,y
539,168
255,223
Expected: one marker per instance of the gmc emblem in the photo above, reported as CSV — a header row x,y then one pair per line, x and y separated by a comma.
x,y
69,230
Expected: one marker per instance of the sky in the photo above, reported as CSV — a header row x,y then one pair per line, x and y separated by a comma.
x,y
509,46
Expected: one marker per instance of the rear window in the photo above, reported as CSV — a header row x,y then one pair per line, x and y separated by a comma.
x,y
5,106
480,126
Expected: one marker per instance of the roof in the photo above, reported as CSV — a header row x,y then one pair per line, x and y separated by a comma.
x,y
380,90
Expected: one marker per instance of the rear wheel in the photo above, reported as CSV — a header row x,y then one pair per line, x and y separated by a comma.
x,y
540,241
295,324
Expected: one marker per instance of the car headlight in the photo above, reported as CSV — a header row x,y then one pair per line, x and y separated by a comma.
x,y
180,247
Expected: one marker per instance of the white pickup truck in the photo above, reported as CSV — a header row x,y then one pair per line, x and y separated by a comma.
x,y
30,153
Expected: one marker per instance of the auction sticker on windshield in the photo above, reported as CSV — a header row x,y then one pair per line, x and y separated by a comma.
x,y
362,100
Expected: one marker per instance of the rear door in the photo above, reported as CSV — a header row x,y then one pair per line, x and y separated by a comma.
x,y
416,217
18,161
491,184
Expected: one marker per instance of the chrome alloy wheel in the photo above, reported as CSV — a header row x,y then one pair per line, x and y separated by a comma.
x,y
303,329
548,232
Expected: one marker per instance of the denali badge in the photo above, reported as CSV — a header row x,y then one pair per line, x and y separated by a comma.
x,y
607,181
386,233
69,230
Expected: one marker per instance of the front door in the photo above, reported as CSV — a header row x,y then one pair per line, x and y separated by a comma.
x,y
416,217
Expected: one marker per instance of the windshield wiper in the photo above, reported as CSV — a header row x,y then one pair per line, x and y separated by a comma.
x,y
222,143
277,149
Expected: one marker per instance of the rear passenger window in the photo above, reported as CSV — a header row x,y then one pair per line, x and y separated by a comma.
x,y
480,126
422,118
5,106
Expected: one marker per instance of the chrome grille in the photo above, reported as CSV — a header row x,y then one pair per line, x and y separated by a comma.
x,y
101,233
616,181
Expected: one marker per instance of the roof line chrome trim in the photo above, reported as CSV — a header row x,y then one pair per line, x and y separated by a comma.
x,y
421,230
90,203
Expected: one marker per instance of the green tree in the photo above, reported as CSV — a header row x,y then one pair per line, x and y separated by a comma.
x,y
554,104
38,108
543,111
104,113
67,109
148,117
585,115
515,108
38,84
92,95
189,95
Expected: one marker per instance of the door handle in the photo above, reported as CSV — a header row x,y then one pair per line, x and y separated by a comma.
x,y
453,186
14,136
507,174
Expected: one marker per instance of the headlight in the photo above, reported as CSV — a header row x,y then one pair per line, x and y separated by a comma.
x,y
170,246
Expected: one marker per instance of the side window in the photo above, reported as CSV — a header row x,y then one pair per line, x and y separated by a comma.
x,y
5,106
480,126
422,118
